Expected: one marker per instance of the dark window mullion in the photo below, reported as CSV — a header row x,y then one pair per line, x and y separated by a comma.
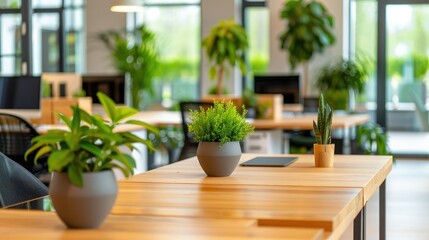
x,y
26,17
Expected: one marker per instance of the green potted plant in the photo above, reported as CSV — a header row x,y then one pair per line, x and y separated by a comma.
x,y
219,129
372,139
225,45
323,148
309,30
340,81
83,188
137,56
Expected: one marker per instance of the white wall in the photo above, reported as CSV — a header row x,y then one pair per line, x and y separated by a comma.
x,y
278,58
99,18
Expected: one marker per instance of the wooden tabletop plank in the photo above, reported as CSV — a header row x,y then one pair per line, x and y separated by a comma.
x,y
309,207
354,171
19,224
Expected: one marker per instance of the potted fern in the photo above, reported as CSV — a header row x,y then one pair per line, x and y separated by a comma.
x,y
323,148
225,45
219,129
83,188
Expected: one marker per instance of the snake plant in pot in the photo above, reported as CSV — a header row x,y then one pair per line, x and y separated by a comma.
x,y
83,188
219,129
323,148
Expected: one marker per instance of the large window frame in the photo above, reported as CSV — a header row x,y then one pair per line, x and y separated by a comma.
x,y
26,12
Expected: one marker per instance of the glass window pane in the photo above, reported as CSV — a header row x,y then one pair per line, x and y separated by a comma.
x,y
45,43
407,52
46,4
10,65
10,34
10,3
179,43
363,44
70,3
257,29
74,40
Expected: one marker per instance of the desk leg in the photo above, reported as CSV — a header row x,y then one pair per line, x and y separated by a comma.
x,y
346,141
383,211
359,226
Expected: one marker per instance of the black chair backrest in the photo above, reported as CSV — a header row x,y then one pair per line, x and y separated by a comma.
x,y
15,138
17,184
185,108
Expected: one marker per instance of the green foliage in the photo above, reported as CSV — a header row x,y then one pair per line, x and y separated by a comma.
x,y
342,75
79,93
418,61
213,90
373,139
90,143
249,98
220,123
309,30
46,89
175,69
136,55
226,44
322,130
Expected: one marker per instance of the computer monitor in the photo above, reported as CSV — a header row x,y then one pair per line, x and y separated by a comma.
x,y
287,85
20,92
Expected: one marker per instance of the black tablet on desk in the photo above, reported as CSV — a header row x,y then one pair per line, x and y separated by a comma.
x,y
269,161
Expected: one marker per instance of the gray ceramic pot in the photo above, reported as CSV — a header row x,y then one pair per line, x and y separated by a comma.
x,y
218,161
85,207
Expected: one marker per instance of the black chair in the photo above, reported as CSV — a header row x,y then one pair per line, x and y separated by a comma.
x,y
190,146
17,184
15,138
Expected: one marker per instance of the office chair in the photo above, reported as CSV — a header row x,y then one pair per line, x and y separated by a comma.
x,y
190,146
17,184
15,138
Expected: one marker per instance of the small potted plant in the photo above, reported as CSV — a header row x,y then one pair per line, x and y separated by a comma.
x,y
225,45
83,188
323,149
219,129
250,102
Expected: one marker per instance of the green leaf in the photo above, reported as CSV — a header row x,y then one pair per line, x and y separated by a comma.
x,y
42,151
124,112
59,159
108,105
91,148
75,175
147,126
64,119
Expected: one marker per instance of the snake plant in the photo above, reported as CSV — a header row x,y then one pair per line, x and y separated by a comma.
x,y
322,130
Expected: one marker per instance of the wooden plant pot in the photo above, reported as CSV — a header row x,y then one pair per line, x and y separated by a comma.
x,y
324,155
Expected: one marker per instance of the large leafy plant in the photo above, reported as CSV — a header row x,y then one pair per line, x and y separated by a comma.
x,y
322,129
91,143
225,45
220,123
135,54
308,30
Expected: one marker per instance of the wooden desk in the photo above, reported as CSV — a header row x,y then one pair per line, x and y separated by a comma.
x,y
18,224
367,173
332,209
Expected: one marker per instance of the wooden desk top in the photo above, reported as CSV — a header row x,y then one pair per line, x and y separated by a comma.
x,y
332,209
22,224
349,171
305,122
171,118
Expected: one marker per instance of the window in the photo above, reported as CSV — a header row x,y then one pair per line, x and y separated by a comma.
x,y
52,40
256,24
176,25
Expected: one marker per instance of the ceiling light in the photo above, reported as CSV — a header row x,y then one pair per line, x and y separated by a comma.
x,y
127,6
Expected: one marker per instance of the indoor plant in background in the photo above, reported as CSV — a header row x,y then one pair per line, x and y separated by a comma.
x,y
219,129
135,54
309,30
323,148
225,45
83,188
341,80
